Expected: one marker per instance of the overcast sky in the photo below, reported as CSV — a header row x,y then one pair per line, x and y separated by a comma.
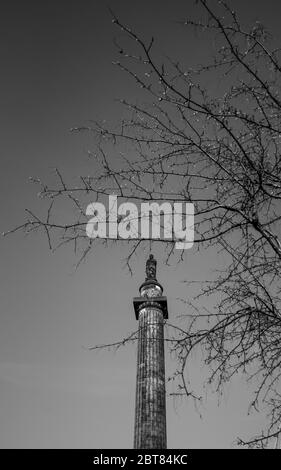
x,y
57,73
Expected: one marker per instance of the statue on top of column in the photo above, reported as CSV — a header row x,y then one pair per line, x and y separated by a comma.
x,y
151,268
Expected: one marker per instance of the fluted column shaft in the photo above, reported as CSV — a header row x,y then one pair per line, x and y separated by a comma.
x,y
150,412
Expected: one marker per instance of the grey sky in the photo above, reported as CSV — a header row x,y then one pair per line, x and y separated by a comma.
x,y
56,73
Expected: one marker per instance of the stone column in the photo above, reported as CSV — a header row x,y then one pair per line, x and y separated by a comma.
x,y
150,412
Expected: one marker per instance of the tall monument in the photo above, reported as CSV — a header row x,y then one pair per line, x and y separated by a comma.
x,y
150,413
